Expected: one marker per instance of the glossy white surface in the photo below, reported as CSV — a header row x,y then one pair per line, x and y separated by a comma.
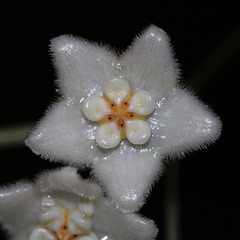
x,y
95,108
41,233
117,89
108,135
142,102
138,131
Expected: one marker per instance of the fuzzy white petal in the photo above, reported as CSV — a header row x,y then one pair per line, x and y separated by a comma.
x,y
149,64
82,67
183,123
117,89
69,181
138,131
142,103
116,225
127,176
19,208
108,135
65,134
95,108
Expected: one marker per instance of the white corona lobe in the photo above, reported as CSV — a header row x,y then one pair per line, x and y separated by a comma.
x,y
138,131
107,135
79,222
95,108
87,207
117,89
40,233
142,103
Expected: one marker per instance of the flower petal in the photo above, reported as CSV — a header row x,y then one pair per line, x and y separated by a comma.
x,y
112,224
183,123
127,176
64,134
138,131
67,180
142,103
95,108
149,63
82,67
108,135
19,208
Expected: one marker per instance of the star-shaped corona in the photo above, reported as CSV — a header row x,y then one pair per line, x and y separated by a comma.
x,y
120,113
59,223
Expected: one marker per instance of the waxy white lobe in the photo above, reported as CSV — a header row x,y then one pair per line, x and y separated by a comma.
x,y
79,222
117,89
87,207
47,201
40,233
95,108
120,114
138,131
142,103
52,217
107,135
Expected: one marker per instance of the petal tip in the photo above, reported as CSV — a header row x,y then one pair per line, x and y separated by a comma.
x,y
155,32
61,43
130,201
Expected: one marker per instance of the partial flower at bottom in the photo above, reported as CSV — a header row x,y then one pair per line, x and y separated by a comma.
x,y
61,206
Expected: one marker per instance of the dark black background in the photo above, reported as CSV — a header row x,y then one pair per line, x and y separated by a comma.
x,y
206,39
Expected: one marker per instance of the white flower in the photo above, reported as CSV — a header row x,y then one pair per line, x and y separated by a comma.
x,y
61,206
179,122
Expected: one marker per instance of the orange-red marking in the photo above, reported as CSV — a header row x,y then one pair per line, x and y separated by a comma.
x,y
64,232
120,113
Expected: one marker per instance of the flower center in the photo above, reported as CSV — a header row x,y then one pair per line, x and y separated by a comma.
x,y
120,113
59,223
64,233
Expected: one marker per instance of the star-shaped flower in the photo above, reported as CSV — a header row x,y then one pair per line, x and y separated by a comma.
x,y
61,206
178,122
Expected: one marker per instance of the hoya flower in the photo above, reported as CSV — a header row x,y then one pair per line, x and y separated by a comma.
x,y
61,206
121,114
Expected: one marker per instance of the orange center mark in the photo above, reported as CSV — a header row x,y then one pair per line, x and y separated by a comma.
x,y
64,232
120,113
